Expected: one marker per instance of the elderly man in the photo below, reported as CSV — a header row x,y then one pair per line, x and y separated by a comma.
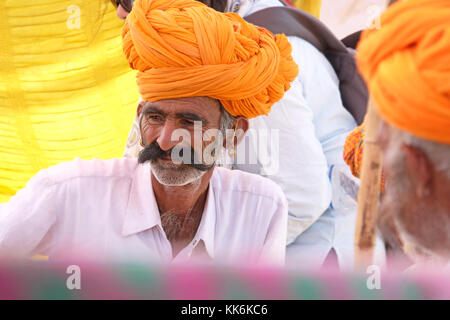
x,y
171,203
406,65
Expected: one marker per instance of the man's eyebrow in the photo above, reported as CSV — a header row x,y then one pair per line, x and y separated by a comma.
x,y
191,116
153,109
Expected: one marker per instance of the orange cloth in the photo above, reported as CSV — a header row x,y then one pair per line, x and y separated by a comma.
x,y
353,152
183,48
353,149
406,64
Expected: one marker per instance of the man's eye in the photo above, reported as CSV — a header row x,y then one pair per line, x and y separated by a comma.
x,y
187,122
153,117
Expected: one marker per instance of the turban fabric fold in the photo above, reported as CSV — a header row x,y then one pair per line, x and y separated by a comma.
x,y
182,48
406,64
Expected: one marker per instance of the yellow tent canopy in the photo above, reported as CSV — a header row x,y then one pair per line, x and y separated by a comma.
x,y
66,89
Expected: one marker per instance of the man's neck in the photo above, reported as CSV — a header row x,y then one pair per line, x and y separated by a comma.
x,y
186,203
182,199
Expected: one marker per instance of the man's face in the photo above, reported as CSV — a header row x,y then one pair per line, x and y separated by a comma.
x,y
422,225
178,134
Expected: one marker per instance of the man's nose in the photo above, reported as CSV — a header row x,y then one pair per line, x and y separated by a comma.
x,y
121,12
165,137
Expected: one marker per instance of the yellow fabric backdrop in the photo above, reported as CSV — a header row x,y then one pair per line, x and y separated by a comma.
x,y
66,89
310,6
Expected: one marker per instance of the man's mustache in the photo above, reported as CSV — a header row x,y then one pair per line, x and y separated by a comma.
x,y
153,152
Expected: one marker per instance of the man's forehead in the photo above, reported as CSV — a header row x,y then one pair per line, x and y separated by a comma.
x,y
202,106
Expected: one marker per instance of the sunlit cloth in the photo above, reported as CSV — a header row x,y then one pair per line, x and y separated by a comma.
x,y
182,48
242,7
407,67
345,17
66,89
310,6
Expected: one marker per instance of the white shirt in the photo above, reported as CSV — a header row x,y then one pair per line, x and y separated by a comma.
x,y
312,125
107,209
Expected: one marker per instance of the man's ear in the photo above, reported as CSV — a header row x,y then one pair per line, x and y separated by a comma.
x,y
241,126
420,168
139,108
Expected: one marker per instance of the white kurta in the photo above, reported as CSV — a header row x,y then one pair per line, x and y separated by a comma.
x,y
107,210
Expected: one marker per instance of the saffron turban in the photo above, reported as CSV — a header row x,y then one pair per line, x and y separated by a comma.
x,y
406,64
182,48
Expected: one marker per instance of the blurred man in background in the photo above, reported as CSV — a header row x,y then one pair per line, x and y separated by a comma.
x,y
405,64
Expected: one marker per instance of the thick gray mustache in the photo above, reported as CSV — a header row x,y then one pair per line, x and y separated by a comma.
x,y
153,152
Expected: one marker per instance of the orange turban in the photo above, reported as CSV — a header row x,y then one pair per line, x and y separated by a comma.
x,y
182,48
406,64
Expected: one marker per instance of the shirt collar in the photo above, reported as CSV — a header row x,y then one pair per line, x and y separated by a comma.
x,y
142,210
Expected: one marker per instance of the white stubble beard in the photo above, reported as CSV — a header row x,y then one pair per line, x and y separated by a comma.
x,y
172,175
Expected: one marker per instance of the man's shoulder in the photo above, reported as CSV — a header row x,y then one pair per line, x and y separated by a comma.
x,y
247,183
95,168
303,50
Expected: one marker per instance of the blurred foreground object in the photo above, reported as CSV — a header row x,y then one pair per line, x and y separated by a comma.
x,y
45,280
66,89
